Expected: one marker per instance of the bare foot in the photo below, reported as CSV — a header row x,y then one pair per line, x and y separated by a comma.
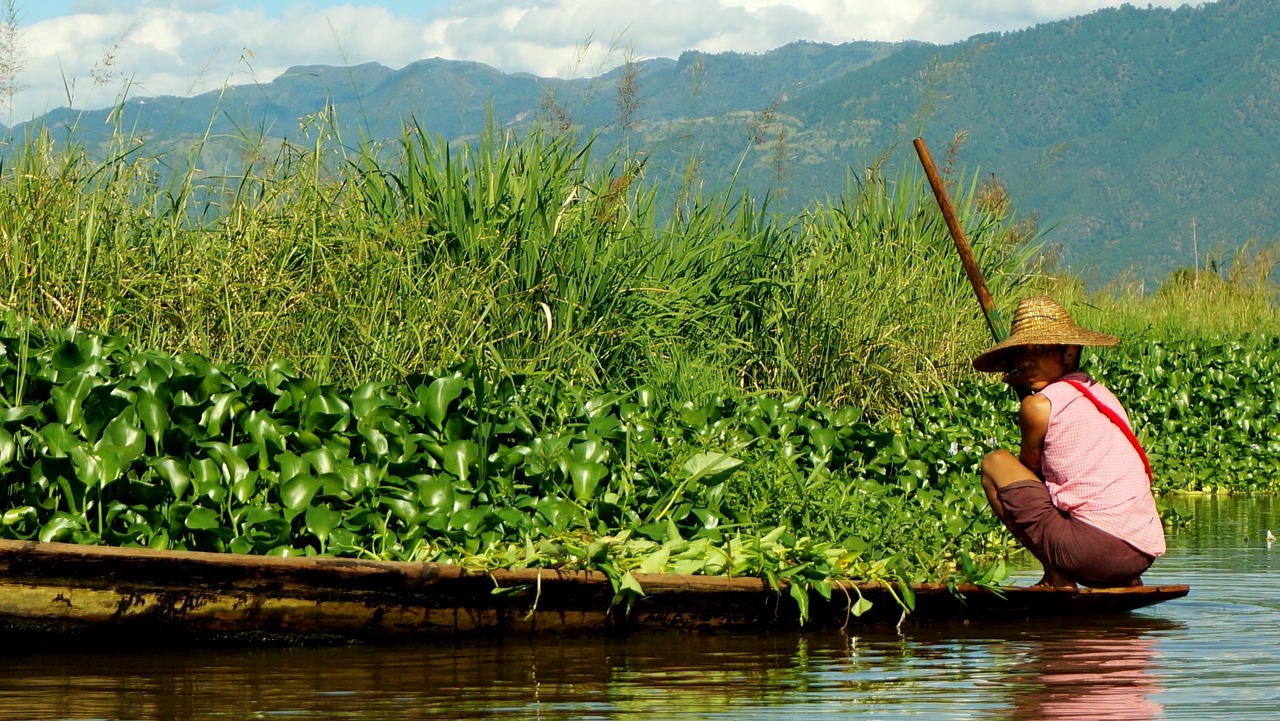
x,y
1054,580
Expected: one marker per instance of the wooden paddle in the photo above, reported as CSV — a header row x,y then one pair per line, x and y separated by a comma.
x,y
970,263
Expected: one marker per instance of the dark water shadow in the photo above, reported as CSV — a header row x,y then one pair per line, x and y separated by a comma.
x,y
549,678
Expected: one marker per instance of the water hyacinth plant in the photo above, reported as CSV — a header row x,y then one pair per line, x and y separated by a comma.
x,y
107,445
110,445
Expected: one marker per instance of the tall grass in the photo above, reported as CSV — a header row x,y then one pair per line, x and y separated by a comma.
x,y
375,261
874,296
1229,300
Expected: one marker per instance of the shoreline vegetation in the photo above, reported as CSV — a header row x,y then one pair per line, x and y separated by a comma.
x,y
509,354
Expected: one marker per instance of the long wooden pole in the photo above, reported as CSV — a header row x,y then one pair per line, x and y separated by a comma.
x,y
962,246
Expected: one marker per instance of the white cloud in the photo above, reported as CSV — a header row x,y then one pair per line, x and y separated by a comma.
x,y
185,47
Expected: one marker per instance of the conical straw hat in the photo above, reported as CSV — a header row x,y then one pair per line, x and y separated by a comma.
x,y
1039,320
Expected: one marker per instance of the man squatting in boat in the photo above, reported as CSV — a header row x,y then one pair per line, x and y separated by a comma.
x,y
1078,494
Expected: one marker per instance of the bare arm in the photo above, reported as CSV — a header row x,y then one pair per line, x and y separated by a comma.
x,y
1033,419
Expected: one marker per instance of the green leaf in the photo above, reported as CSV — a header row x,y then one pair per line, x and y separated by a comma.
x,y
458,457
470,520
653,531
100,468
231,467
325,410
60,528
437,497
861,606
175,472
403,509
8,448
124,439
655,562
290,464
69,356
145,494
627,584
159,540
358,479
916,468
591,450
438,398
321,460
243,488
279,372
202,519
586,477
18,413
711,468
321,521
214,490
154,417
262,529
68,399
375,439
847,416
508,591
823,587
908,594
58,440
264,430
297,492
224,408
823,440
898,448
708,518
799,591
205,471
370,398
13,516
308,440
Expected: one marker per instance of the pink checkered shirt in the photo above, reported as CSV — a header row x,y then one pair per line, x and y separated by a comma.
x,y
1093,472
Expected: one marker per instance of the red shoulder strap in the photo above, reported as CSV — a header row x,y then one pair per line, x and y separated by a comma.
x,y
1116,419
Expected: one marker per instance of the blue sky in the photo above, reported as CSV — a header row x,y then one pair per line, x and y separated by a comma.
x,y
93,53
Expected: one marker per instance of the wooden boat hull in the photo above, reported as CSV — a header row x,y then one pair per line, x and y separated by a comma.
x,y
54,588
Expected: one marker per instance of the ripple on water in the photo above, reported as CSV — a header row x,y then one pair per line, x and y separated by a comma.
x,y
1212,655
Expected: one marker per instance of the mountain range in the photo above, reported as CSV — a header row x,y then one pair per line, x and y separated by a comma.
x,y
1143,140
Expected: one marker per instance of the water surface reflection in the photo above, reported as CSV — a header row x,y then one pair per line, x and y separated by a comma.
x,y
1098,670
1209,656
1089,673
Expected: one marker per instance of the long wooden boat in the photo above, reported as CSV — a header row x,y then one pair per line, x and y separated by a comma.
x,y
55,589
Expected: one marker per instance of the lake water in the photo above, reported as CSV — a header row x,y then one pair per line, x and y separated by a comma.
x,y
1212,655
